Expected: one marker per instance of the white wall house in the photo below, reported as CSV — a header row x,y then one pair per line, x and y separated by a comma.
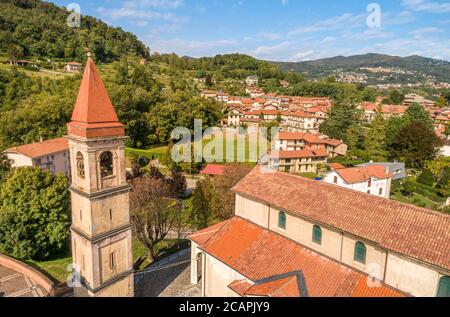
x,y
50,155
373,180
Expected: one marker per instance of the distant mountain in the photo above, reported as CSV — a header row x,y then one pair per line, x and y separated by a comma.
x,y
34,28
374,68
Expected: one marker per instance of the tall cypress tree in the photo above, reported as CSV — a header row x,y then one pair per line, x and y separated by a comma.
x,y
376,138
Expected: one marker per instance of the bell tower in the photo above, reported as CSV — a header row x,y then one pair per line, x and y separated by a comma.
x,y
101,228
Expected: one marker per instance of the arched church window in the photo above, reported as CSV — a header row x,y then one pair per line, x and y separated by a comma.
x,y
106,164
80,165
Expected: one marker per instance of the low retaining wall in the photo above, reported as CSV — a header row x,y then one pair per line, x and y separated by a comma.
x,y
46,283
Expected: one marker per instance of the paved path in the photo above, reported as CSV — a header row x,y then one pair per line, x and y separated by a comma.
x,y
13,284
167,279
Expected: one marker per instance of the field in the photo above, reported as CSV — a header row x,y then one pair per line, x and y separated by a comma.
x,y
248,151
59,269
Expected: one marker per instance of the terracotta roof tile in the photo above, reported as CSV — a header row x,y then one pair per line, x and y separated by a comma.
x,y
406,229
43,148
213,169
259,254
362,174
94,114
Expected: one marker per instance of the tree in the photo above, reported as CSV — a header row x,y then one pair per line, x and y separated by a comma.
x,y
153,212
415,144
223,202
208,80
396,97
426,177
34,214
201,204
441,102
376,138
417,113
5,167
178,184
393,127
14,52
343,115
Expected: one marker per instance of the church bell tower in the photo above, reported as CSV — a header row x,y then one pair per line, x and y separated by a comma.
x,y
101,228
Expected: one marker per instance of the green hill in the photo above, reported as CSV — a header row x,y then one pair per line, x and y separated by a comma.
x,y
37,29
421,67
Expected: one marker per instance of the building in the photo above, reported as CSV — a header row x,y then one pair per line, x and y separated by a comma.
x,y
295,141
298,161
101,228
213,170
216,95
73,67
293,236
50,155
252,81
373,179
301,121
397,169
414,98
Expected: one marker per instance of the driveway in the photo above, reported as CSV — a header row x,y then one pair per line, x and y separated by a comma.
x,y
168,278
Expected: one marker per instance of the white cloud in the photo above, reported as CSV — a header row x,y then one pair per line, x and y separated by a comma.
x,y
427,6
155,4
191,48
284,2
344,21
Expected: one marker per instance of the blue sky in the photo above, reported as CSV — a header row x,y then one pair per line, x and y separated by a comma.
x,y
282,30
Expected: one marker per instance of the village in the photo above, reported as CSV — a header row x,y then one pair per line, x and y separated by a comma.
x,y
125,172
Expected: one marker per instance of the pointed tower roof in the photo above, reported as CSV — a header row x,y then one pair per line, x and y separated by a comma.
x,y
94,114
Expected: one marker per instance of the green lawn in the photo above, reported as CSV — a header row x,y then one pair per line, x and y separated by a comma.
x,y
58,268
423,196
249,155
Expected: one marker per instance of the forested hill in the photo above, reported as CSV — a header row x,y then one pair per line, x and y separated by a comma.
x,y
37,29
417,65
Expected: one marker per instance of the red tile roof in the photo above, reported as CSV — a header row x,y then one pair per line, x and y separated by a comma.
x,y
259,254
336,166
94,114
310,138
362,174
406,229
213,169
286,286
39,149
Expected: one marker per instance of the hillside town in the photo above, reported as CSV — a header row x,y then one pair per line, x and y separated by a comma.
x,y
125,173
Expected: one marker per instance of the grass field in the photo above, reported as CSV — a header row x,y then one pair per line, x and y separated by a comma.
x,y
59,268
250,153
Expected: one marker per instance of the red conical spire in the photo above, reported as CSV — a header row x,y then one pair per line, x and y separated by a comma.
x,y
94,114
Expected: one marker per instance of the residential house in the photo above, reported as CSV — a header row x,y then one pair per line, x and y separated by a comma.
x,y
50,155
73,67
252,81
415,98
295,141
373,179
296,237
298,161
301,121
213,170
397,169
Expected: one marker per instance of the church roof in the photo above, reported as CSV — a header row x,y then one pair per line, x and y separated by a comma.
x,y
93,104
94,114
